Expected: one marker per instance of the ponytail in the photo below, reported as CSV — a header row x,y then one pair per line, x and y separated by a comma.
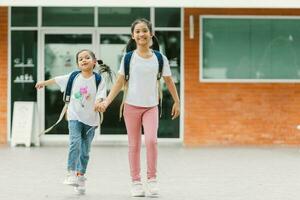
x,y
105,69
131,45
155,44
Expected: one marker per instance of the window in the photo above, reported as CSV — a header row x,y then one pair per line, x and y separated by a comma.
x,y
68,16
250,48
170,45
116,17
167,17
24,16
24,66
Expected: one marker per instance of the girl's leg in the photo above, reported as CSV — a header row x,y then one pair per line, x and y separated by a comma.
x,y
75,129
150,124
132,117
87,138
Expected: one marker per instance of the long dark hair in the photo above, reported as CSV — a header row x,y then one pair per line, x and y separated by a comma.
x,y
103,68
131,44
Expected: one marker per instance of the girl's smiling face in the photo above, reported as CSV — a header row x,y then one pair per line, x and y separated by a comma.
x,y
85,61
142,35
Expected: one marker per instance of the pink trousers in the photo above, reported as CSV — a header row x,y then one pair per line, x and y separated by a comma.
x,y
136,117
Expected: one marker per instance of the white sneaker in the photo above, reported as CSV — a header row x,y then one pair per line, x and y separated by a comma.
x,y
80,188
152,188
71,179
137,189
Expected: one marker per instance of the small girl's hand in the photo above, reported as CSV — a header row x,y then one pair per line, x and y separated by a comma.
x,y
101,106
39,85
175,110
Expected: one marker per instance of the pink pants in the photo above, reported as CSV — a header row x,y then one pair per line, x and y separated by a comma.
x,y
135,117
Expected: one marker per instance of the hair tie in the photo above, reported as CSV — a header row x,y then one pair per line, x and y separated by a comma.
x,y
100,62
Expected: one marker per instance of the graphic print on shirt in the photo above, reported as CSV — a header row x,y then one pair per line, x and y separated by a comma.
x,y
82,96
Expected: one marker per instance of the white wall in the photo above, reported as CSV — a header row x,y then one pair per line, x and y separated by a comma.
x,y
159,3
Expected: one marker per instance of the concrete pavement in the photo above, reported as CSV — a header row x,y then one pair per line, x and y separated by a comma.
x,y
207,173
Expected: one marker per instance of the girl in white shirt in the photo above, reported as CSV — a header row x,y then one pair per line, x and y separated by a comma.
x,y
82,116
141,102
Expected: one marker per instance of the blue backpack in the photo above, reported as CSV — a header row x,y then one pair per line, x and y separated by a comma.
x,y
67,96
68,90
127,59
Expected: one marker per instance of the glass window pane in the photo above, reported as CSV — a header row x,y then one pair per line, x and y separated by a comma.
x,y
68,16
23,66
169,43
167,17
23,16
111,50
112,17
251,48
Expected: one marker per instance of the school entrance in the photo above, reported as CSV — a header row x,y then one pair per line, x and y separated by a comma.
x,y
58,57
44,44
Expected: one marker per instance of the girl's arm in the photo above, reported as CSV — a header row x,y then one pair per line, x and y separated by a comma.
x,y
172,89
41,84
101,106
115,89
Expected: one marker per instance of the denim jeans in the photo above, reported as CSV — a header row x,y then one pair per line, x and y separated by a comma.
x,y
81,137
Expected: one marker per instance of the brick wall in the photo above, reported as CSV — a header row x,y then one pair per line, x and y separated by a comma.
x,y
3,73
235,113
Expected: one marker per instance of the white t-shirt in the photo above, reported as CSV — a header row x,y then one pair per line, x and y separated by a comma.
x,y
142,83
83,98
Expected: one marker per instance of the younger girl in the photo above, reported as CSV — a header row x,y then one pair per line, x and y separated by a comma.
x,y
81,114
141,103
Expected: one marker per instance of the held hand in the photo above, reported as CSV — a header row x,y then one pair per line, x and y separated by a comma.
x,y
97,107
39,85
101,106
175,110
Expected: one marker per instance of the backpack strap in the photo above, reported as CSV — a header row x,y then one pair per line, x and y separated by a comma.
x,y
66,99
67,93
127,59
64,110
160,63
159,75
98,79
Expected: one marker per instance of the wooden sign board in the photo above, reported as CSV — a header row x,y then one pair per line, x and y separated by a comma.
x,y
25,124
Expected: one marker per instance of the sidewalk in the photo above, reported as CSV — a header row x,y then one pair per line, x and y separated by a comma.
x,y
184,173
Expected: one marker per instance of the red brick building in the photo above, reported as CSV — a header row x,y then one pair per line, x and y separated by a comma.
x,y
216,111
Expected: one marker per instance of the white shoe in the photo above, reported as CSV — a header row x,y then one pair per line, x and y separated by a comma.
x,y
80,188
71,179
137,189
152,188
